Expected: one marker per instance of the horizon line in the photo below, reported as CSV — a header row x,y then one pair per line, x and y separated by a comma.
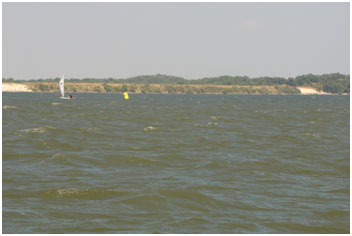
x,y
125,78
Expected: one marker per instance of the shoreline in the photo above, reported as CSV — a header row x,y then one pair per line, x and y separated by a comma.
x,y
311,91
257,94
14,87
160,89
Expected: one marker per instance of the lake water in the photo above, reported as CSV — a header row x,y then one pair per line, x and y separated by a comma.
x,y
175,164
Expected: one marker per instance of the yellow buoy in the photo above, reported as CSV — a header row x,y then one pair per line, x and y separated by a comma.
x,y
125,96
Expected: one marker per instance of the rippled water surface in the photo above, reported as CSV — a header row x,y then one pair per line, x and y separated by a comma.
x,y
175,164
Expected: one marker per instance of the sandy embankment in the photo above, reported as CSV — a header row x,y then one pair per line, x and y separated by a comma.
x,y
15,87
9,87
309,90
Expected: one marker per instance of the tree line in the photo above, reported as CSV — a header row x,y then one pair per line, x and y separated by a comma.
x,y
330,83
162,88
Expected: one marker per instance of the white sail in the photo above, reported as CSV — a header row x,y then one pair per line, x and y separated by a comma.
x,y
61,86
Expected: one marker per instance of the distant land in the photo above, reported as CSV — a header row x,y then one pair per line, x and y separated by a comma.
x,y
166,84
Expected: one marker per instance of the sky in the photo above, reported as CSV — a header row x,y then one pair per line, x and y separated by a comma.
x,y
191,40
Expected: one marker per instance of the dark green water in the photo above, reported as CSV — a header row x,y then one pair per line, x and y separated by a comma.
x,y
175,164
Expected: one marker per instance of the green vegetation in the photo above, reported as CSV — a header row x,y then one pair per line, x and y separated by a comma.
x,y
331,83
161,88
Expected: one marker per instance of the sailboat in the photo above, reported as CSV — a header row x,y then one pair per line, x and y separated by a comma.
x,y
62,88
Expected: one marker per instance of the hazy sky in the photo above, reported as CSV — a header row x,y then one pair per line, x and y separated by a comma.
x,y
192,40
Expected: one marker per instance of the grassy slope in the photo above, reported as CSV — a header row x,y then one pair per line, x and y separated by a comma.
x,y
71,87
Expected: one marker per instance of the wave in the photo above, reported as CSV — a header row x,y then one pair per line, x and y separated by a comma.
x,y
24,212
58,155
149,128
311,135
209,124
8,107
95,193
183,118
90,129
41,129
65,160
193,221
195,200
130,160
300,228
